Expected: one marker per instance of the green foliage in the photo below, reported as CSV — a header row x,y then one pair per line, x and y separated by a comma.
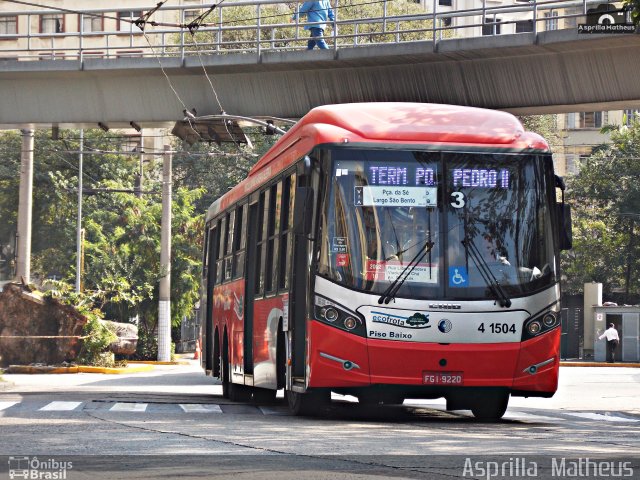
x,y
97,338
545,126
634,5
606,208
97,335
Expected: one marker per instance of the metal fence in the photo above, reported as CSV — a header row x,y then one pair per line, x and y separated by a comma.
x,y
253,27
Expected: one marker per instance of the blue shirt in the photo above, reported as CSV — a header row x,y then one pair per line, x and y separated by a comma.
x,y
316,12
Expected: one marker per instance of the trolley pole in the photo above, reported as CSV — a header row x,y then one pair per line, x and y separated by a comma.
x,y
25,206
79,222
164,313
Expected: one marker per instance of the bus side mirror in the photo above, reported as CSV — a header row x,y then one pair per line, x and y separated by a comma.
x,y
303,211
564,219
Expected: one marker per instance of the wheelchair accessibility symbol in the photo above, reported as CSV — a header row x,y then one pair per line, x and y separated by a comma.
x,y
458,277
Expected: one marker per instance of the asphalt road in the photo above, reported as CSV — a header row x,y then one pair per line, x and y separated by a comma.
x,y
173,422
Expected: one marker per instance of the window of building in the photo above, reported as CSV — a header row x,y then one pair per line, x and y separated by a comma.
x,y
629,116
551,20
128,53
524,26
92,23
52,23
191,15
8,25
445,3
125,21
587,120
492,26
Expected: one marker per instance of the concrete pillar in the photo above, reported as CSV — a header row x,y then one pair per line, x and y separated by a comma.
x,y
592,296
25,206
164,313
79,220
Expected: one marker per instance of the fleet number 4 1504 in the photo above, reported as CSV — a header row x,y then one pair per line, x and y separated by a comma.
x,y
498,328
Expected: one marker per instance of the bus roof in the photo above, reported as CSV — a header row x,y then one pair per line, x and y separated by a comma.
x,y
388,123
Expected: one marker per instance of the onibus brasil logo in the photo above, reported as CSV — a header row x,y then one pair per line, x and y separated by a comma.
x,y
34,468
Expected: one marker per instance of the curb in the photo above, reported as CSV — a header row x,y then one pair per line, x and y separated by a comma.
x,y
29,369
157,362
599,364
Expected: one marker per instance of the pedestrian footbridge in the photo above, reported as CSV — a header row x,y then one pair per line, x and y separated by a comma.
x,y
271,73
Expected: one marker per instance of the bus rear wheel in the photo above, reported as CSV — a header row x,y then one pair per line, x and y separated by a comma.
x,y
490,407
308,403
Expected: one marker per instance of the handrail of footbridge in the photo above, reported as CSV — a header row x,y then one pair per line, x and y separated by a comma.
x,y
267,25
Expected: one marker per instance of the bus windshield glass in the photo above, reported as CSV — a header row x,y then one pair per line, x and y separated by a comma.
x,y
453,224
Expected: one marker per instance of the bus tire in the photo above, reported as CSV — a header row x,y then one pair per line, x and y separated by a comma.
x,y
308,403
490,407
239,393
263,396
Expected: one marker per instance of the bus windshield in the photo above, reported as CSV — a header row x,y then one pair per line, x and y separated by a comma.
x,y
453,224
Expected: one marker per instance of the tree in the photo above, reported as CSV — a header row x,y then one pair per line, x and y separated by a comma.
x,y
606,201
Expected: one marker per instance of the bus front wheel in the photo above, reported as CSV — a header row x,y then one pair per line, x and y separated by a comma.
x,y
490,407
308,403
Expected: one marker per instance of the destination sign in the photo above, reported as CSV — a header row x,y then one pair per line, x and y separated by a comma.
x,y
401,175
376,196
481,178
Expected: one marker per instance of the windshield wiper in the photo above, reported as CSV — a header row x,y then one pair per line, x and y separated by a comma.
x,y
393,288
486,273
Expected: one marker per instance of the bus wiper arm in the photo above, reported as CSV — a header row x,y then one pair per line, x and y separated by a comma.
x,y
393,288
487,274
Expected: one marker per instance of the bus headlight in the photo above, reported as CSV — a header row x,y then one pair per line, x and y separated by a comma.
x,y
331,313
350,323
549,320
534,328
542,322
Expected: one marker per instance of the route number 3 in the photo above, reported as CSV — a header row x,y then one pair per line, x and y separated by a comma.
x,y
457,199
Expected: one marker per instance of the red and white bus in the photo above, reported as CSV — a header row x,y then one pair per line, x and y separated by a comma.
x,y
389,251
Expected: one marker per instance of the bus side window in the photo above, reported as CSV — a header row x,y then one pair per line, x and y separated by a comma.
x,y
272,240
240,240
220,253
286,223
228,261
262,244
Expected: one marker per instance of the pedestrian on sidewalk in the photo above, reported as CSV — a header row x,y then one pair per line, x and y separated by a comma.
x,y
317,15
611,334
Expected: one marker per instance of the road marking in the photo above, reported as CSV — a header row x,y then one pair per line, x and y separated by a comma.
x,y
5,405
129,407
599,417
60,406
200,408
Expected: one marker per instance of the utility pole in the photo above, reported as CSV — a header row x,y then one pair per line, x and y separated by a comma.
x,y
25,207
164,313
79,223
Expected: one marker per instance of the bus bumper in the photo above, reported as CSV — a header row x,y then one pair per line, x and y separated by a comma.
x,y
388,362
